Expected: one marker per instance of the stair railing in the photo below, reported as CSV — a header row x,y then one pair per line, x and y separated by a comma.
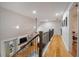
x,y
40,35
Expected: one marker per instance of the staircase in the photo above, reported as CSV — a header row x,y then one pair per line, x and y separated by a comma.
x,y
29,51
33,48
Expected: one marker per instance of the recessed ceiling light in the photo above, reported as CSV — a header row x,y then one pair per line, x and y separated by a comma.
x,y
57,14
34,11
17,27
61,13
34,27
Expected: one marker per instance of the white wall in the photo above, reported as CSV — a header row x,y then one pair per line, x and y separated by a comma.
x,y
8,22
50,25
66,31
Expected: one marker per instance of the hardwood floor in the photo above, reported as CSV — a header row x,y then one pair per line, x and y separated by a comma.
x,y
27,51
57,48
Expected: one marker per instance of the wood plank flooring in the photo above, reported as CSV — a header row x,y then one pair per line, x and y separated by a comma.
x,y
57,48
27,51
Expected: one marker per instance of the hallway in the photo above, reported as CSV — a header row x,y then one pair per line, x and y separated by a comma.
x,y
39,29
57,48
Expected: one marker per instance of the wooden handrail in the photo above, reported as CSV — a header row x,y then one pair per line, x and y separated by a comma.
x,y
40,35
26,44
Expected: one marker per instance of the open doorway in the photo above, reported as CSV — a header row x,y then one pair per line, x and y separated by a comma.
x,y
73,29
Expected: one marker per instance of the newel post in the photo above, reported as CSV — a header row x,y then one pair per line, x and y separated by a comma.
x,y
40,43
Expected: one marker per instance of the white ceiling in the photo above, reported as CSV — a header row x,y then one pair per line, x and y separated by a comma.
x,y
45,10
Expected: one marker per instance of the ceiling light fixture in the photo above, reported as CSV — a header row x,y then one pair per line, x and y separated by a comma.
x,y
34,27
17,27
61,13
34,11
57,14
